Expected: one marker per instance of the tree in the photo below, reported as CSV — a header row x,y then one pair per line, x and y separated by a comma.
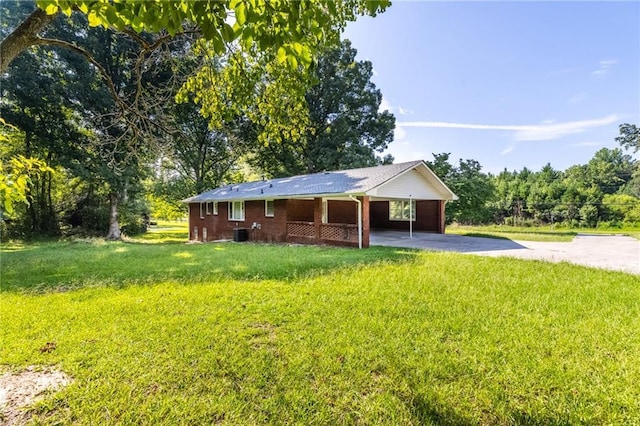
x,y
622,208
474,189
610,169
629,137
201,158
67,108
292,29
266,46
344,129
36,99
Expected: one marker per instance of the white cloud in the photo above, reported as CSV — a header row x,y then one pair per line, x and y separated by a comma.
x,y
374,72
604,66
533,132
385,105
558,130
399,133
507,150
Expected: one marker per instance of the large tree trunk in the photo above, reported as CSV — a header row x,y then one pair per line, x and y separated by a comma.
x,y
23,37
114,226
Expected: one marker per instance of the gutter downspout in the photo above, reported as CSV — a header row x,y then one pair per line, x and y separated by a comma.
x,y
359,220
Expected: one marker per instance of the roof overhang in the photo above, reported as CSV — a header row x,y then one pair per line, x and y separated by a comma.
x,y
279,197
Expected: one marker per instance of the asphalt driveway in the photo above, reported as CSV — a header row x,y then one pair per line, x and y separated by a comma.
x,y
614,252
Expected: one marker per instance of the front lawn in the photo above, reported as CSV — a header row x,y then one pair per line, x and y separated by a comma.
x,y
260,334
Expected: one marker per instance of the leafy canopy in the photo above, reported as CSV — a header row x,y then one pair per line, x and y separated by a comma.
x,y
291,28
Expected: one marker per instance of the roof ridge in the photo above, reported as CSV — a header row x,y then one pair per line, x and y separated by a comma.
x,y
344,170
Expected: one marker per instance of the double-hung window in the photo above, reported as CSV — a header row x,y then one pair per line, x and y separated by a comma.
x,y
215,208
269,208
236,210
202,210
402,210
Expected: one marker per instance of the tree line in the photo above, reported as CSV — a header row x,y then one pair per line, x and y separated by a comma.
x,y
604,192
116,124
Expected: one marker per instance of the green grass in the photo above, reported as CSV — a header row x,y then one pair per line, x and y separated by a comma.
x,y
513,233
164,232
259,334
540,233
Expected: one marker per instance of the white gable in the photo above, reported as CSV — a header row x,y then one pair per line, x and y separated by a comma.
x,y
414,183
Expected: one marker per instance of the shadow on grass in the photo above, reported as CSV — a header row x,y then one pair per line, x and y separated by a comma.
x,y
425,412
64,266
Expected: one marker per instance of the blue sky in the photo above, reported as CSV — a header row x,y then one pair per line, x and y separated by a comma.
x,y
510,84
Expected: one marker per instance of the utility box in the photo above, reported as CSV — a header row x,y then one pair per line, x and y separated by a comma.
x,y
240,234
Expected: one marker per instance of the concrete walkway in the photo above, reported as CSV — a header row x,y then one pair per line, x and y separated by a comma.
x,y
614,252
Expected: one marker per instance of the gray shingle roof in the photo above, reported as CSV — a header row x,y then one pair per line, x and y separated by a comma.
x,y
354,181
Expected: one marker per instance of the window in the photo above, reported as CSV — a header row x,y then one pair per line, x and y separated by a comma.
x,y
399,210
202,210
209,208
195,233
269,208
215,208
236,210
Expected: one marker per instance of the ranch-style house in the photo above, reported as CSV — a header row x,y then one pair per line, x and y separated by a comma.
x,y
335,208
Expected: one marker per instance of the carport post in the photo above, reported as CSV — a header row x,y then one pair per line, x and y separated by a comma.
x,y
359,203
410,217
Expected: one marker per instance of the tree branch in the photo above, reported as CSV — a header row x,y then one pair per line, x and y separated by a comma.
x,y
123,106
24,36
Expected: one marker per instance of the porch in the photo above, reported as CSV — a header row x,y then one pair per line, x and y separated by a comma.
x,y
333,221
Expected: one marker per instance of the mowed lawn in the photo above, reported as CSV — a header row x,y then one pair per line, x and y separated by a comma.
x,y
240,333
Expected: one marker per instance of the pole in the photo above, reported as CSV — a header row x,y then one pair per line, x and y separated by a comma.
x,y
359,220
410,217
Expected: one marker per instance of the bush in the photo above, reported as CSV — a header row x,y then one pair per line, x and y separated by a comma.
x,y
589,215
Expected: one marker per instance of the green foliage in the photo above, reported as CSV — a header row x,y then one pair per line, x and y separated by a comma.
x,y
160,208
575,197
291,28
238,333
344,128
629,137
474,189
622,208
16,176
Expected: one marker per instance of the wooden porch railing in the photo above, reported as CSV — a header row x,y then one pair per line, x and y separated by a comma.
x,y
301,229
328,231
339,232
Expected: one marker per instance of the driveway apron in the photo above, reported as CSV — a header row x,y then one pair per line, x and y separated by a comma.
x,y
615,252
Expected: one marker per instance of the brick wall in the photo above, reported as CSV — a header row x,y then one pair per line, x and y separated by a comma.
x,y
272,229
